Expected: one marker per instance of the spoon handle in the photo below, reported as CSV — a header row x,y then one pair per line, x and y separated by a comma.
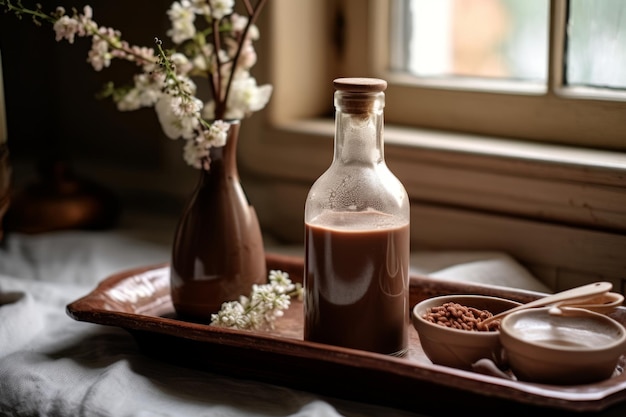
x,y
582,292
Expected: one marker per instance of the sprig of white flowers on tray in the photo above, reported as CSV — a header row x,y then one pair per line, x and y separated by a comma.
x,y
211,42
265,304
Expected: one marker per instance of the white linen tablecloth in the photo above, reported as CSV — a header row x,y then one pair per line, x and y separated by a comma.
x,y
51,365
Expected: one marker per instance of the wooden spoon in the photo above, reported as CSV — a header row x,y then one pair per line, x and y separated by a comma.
x,y
578,294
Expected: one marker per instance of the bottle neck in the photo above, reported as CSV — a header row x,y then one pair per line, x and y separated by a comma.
x,y
359,128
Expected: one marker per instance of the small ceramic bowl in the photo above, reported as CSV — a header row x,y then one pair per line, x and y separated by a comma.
x,y
577,347
454,347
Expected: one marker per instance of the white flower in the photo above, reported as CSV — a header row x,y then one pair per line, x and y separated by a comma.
x,y
187,113
99,56
230,315
200,63
66,28
221,8
185,85
146,92
196,151
183,66
280,281
87,13
178,118
239,23
218,133
149,88
87,25
200,7
196,154
166,117
266,303
182,16
184,107
144,57
248,57
208,111
246,97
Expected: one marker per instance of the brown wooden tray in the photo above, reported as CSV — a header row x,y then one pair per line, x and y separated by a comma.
x,y
139,301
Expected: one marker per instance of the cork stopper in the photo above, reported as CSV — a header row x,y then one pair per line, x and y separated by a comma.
x,y
360,85
359,95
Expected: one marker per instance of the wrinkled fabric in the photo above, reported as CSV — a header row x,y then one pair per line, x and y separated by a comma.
x,y
52,365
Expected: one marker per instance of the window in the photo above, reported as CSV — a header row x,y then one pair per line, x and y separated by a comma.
x,y
555,104
509,39
533,168
496,39
596,46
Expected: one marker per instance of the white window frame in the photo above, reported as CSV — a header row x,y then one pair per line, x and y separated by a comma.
x,y
560,209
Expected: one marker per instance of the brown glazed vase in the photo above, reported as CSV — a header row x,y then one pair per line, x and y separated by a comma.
x,y
218,251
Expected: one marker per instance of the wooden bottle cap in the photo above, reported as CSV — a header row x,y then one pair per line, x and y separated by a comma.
x,y
360,85
358,95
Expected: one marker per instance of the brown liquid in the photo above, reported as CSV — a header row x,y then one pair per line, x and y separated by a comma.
x,y
356,282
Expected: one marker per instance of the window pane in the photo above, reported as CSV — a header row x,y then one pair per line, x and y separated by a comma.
x,y
505,39
596,49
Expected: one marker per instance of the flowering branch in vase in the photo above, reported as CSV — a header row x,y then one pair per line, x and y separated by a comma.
x,y
212,43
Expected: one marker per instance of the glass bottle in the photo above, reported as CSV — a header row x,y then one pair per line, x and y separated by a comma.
x,y
357,217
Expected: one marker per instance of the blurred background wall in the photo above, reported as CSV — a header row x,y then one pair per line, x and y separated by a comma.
x,y
52,112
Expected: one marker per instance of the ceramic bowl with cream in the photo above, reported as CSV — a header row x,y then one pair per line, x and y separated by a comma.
x,y
576,347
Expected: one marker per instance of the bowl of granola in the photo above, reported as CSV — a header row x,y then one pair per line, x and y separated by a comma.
x,y
450,330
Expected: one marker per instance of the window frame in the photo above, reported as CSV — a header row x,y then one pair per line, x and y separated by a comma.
x,y
303,51
558,113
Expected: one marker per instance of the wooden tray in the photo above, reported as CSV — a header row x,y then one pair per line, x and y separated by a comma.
x,y
139,301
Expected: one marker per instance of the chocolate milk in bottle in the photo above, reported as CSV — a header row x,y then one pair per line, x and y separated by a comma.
x,y
357,233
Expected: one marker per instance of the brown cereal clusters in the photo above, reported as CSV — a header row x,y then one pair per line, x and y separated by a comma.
x,y
461,317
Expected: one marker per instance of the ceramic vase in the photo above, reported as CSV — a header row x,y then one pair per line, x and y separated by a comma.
x,y
218,251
